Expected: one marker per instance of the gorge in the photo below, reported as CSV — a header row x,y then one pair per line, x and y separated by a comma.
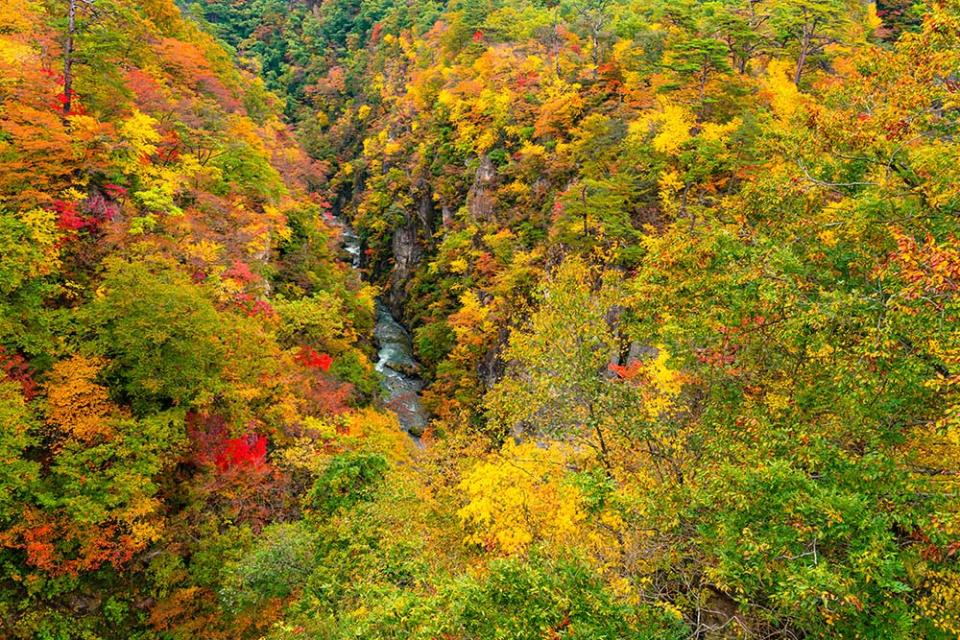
x,y
479,319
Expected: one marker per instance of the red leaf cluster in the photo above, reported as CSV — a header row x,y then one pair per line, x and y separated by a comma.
x,y
212,444
240,272
58,546
628,371
68,218
60,104
16,369
309,357
254,306
91,213
248,451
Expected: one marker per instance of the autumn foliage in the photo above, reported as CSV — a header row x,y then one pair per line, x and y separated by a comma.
x,y
681,282
248,451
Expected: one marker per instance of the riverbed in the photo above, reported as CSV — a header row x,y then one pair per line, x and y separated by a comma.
x,y
399,370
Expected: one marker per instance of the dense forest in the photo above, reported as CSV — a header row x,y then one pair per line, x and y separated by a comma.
x,y
479,319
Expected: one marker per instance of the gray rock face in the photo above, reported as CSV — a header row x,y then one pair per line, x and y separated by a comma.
x,y
407,254
479,198
492,367
408,247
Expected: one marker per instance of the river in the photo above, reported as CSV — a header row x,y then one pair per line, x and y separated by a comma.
x,y
399,370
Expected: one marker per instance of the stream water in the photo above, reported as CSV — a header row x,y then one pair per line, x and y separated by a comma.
x,y
398,368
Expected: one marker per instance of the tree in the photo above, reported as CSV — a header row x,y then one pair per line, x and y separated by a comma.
x,y
740,24
18,473
556,385
77,405
806,27
700,59
68,56
552,598
518,497
593,15
30,249
161,333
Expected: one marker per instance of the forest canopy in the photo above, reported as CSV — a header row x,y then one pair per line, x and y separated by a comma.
x,y
673,284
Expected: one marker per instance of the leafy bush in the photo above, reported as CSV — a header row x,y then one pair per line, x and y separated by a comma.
x,y
348,479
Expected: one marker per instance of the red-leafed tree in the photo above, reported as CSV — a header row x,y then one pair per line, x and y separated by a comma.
x,y
309,357
16,369
246,451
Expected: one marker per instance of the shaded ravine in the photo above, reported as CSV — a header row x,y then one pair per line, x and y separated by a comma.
x,y
396,364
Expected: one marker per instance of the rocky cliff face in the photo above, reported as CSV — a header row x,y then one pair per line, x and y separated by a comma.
x,y
410,243
480,201
413,239
492,366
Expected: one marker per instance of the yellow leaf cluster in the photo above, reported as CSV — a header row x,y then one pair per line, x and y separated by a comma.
x,y
873,20
13,52
76,404
138,516
784,96
666,380
46,236
471,317
665,385
672,122
714,132
941,605
518,496
380,432
140,133
18,15
670,185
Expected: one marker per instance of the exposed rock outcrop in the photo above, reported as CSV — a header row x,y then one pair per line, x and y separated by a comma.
x,y
480,198
410,242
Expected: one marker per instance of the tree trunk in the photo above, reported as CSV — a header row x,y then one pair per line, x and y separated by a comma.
x,y
68,58
595,36
806,47
802,58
